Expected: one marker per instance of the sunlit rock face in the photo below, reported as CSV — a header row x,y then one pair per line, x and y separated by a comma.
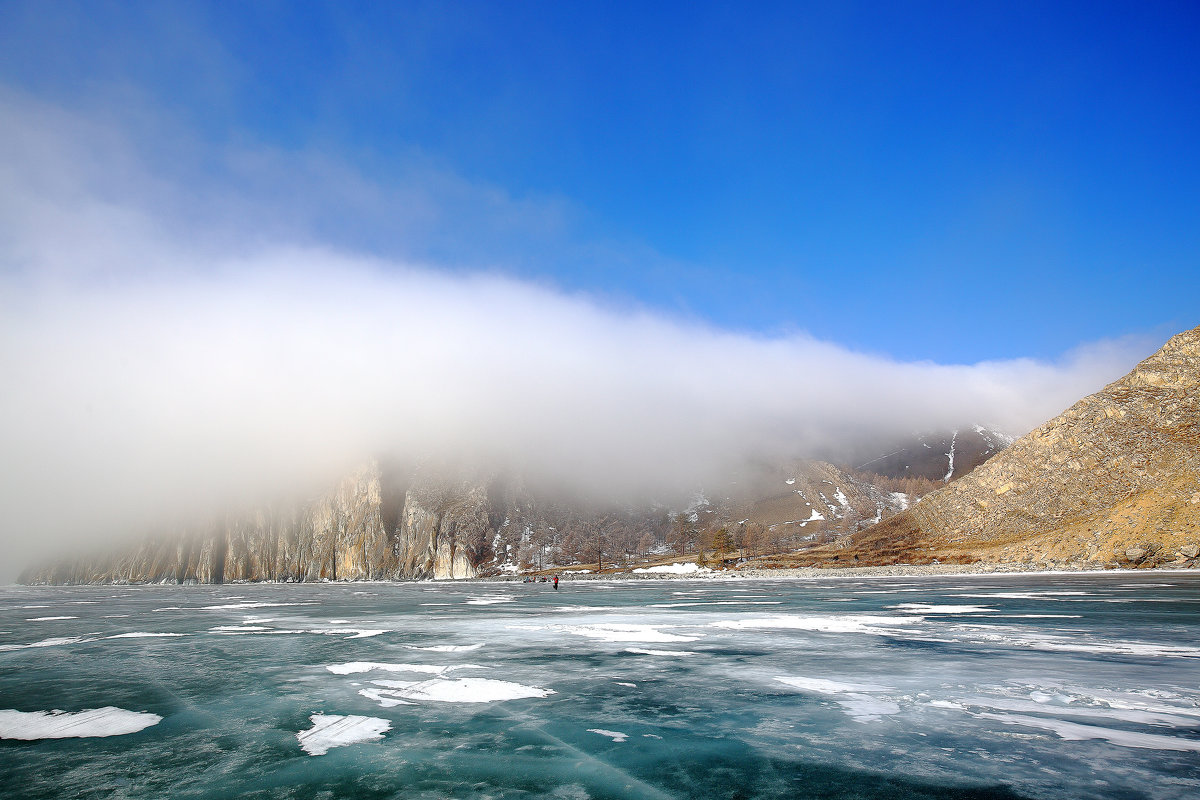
x,y
1114,479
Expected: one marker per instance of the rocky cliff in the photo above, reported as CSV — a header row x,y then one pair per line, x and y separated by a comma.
x,y
383,522
376,524
1115,479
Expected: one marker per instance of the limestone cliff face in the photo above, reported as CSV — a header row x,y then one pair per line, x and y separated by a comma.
x,y
372,526
1113,479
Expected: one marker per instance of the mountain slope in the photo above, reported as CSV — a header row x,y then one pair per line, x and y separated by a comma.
x,y
1113,479
939,456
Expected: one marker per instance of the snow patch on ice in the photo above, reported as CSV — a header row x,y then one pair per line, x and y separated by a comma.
x,y
143,635
234,606
644,652
823,686
335,730
626,633
924,608
356,667
616,736
490,599
823,624
51,642
47,619
94,722
458,690
448,648
1073,731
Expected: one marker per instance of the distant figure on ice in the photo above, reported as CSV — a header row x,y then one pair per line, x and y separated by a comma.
x,y
556,583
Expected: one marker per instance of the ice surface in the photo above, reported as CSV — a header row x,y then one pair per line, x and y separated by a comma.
x,y
47,619
875,687
852,697
95,722
334,730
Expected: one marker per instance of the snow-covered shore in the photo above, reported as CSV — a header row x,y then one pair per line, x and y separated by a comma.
x,y
895,570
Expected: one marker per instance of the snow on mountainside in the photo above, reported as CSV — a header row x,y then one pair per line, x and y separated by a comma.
x,y
941,456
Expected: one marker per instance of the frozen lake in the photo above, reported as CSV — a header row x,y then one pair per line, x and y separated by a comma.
x,y
1051,686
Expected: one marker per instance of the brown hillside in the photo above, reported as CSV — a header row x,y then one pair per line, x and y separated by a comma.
x,y
1115,479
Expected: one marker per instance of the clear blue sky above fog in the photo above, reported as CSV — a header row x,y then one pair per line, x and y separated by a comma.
x,y
946,181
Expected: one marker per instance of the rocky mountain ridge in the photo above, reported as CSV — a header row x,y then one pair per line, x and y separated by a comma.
x,y
1114,480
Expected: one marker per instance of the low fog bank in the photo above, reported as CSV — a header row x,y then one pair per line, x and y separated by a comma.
x,y
151,398
166,357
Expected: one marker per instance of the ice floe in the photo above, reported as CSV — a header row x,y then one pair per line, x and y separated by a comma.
x,y
94,722
616,736
334,730
453,690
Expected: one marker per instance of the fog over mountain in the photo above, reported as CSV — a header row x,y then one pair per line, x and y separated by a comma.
x,y
166,355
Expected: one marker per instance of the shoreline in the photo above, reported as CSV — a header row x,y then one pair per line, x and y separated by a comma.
x,y
793,573
893,571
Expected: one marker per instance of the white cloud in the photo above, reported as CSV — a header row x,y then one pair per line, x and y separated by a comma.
x,y
168,347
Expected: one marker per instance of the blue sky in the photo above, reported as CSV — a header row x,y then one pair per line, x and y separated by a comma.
x,y
954,182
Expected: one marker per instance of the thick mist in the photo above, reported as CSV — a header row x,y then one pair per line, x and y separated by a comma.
x,y
159,364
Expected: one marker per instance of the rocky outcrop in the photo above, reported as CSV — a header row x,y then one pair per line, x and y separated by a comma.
x,y
376,524
1115,479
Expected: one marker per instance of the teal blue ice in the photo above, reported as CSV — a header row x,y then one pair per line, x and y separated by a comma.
x,y
1048,686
